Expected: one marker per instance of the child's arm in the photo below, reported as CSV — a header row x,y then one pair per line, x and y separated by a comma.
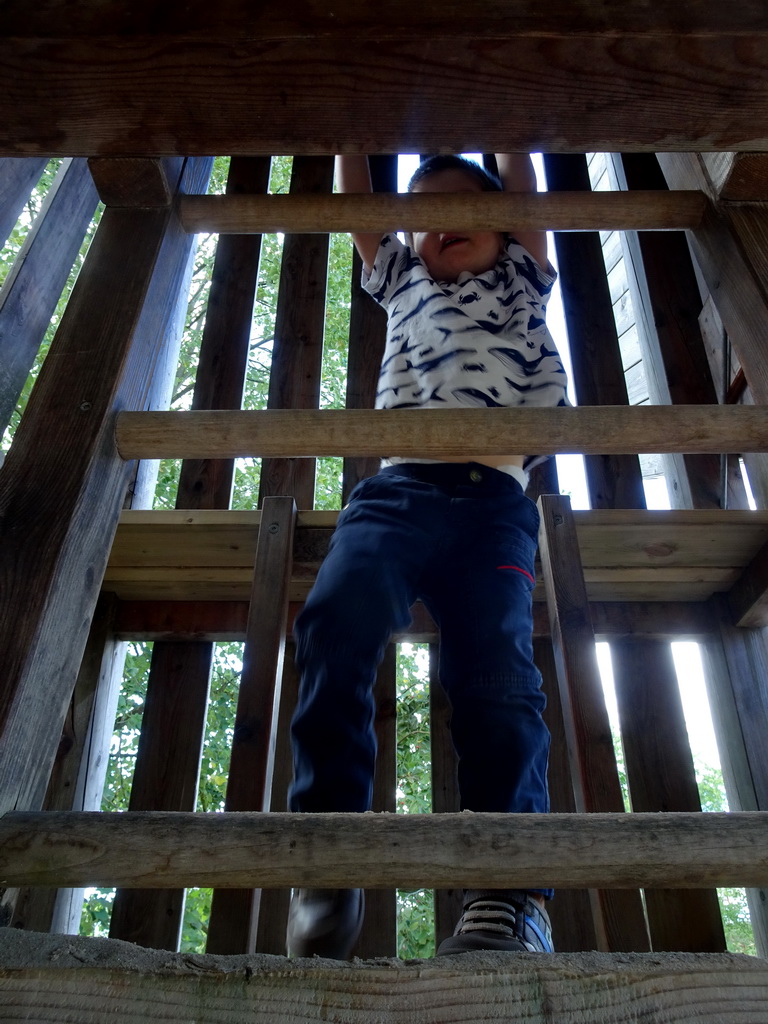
x,y
354,175
517,175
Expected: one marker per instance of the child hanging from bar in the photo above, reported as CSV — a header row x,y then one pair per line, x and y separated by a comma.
x,y
466,328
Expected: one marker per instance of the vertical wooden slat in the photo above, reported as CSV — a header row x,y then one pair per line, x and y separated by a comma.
x,y
203,483
736,666
233,914
298,347
367,334
77,779
31,290
62,483
273,905
18,176
662,778
445,787
588,730
614,481
379,934
571,910
667,298
166,774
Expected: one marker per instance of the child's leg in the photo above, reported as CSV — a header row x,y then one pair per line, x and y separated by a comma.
x,y
363,593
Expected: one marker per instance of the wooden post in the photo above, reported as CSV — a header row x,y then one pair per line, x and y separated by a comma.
x,y
667,304
614,481
62,484
203,483
298,347
661,777
618,916
18,176
31,291
367,333
736,665
233,914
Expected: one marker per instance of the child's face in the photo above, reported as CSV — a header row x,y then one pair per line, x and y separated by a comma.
x,y
449,253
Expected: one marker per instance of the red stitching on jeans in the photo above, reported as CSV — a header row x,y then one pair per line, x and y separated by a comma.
x,y
518,569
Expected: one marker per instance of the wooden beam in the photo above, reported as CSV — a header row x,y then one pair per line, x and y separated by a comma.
x,y
696,79
34,284
619,917
136,181
59,978
297,353
234,915
224,621
17,179
732,253
484,211
478,850
661,777
740,177
442,432
63,483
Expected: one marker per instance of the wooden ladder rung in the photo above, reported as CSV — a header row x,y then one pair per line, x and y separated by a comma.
x,y
442,433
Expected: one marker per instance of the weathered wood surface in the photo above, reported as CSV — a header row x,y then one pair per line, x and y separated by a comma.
x,y
17,179
732,253
627,555
225,620
661,777
136,181
65,978
32,288
234,915
241,850
441,432
613,481
737,176
299,79
297,352
748,597
63,483
482,211
619,917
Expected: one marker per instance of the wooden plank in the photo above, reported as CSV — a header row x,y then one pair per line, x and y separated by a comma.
x,y
63,483
379,934
478,850
598,375
165,778
569,211
31,290
675,354
661,777
234,915
442,432
748,597
136,181
696,81
18,176
367,334
737,176
737,671
618,917
445,788
77,779
575,913
732,256
297,350
66,978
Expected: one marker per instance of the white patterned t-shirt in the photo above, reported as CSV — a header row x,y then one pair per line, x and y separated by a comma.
x,y
481,341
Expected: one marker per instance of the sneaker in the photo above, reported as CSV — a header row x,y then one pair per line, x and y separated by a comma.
x,y
324,922
508,920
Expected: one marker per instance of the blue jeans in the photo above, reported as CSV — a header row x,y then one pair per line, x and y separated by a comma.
x,y
462,537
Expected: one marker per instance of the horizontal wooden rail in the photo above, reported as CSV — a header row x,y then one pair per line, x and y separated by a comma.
x,y
442,433
167,849
483,211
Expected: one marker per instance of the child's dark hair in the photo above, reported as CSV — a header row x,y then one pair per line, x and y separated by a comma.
x,y
447,162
